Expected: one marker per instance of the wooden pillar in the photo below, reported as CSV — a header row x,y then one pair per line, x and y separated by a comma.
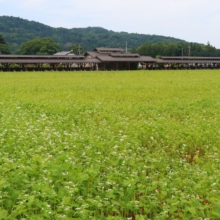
x,y
25,69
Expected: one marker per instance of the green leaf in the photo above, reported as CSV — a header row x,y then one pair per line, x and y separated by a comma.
x,y
192,210
83,177
3,214
139,217
31,199
216,213
66,200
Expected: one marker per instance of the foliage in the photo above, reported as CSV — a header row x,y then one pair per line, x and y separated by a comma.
x,y
176,49
2,40
77,49
39,46
4,49
17,31
110,145
13,65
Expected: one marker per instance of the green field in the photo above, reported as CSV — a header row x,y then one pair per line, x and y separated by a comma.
x,y
129,145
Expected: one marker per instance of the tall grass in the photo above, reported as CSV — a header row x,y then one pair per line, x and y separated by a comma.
x,y
110,145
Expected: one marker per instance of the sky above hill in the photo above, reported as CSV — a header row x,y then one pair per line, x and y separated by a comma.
x,y
190,20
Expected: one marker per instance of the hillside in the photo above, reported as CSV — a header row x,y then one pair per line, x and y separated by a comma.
x,y
17,30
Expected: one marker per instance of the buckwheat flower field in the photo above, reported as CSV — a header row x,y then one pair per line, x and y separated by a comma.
x,y
111,145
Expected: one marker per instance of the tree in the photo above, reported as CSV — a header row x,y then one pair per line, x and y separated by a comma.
x,y
40,46
176,49
2,40
4,49
77,49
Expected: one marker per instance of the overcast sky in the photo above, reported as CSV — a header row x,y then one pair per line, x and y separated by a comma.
x,y
190,20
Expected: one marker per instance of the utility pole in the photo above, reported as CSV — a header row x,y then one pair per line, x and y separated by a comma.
x,y
79,49
189,51
126,48
182,51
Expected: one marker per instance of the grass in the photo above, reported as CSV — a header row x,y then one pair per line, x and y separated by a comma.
x,y
110,145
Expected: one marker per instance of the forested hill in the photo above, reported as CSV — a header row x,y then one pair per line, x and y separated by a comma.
x,y
17,31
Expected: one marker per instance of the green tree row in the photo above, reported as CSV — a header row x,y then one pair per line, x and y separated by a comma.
x,y
47,46
4,48
38,46
176,49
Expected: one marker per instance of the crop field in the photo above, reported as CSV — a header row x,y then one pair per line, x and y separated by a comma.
x,y
131,145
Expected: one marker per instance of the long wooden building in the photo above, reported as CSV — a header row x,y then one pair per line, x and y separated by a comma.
x,y
102,59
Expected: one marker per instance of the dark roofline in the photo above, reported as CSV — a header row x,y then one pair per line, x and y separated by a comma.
x,y
145,59
49,61
186,61
108,49
42,56
124,55
188,58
